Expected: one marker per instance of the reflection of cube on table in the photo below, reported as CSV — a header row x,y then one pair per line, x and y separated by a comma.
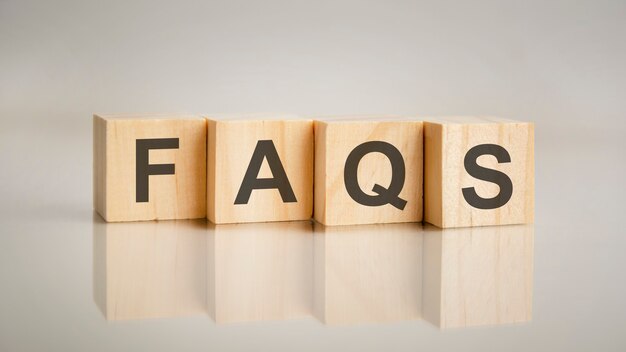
x,y
260,271
150,269
368,273
478,275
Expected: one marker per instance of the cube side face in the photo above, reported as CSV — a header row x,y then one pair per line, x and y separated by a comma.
x,y
319,210
175,191
99,165
284,151
370,156
433,151
529,199
210,169
487,174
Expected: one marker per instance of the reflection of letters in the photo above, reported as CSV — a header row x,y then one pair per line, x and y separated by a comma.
x,y
383,195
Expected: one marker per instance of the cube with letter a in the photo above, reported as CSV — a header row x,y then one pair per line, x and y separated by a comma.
x,y
149,167
478,171
260,168
368,170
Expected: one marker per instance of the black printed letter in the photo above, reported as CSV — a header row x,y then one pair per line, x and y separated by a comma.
x,y
265,149
144,169
384,196
481,173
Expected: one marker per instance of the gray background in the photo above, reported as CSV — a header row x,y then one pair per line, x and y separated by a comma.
x,y
558,63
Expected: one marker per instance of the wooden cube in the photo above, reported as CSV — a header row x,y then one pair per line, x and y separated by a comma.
x,y
149,167
478,275
260,168
368,170
478,171
368,273
260,271
150,269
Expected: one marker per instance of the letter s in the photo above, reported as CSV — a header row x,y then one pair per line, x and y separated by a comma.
x,y
490,175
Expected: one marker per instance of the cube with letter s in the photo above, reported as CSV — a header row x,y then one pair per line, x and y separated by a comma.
x,y
478,171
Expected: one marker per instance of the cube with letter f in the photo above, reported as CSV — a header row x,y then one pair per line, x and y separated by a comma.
x,y
149,167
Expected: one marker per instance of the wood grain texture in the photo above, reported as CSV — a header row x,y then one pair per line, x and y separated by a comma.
x,y
367,273
150,269
231,144
478,275
447,141
260,271
178,196
335,139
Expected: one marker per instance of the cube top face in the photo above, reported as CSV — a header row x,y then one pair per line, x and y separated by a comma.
x,y
368,172
360,118
259,170
147,117
149,168
251,117
479,173
464,120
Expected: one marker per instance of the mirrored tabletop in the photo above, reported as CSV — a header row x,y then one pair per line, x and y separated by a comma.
x,y
70,281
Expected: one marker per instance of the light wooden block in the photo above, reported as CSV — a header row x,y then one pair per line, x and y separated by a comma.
x,y
276,151
478,171
478,276
260,271
149,167
150,269
368,273
354,181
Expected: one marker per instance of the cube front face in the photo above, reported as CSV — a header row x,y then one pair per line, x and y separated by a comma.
x,y
368,172
479,174
259,170
150,169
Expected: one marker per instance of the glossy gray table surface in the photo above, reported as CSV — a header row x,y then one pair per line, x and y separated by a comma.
x,y
69,282
191,285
